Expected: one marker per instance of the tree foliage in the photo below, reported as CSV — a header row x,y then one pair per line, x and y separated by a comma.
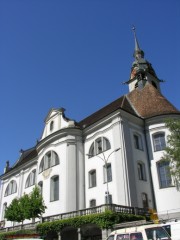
x,y
172,151
14,212
37,206
26,207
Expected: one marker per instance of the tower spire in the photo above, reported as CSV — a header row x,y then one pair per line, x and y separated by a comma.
x,y
138,53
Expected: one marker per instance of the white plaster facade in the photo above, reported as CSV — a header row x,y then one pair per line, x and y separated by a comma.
x,y
126,125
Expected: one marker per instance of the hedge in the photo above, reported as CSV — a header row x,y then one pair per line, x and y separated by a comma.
x,y
104,220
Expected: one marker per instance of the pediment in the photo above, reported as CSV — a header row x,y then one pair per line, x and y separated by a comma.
x,y
53,112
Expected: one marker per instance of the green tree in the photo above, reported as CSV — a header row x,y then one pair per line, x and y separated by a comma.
x,y
172,151
26,207
25,203
37,206
14,212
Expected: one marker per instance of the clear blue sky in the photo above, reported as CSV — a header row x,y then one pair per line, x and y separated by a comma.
x,y
75,54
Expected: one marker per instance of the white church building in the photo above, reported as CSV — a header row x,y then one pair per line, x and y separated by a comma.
x,y
113,156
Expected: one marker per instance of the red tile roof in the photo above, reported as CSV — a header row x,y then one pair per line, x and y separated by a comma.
x,y
149,102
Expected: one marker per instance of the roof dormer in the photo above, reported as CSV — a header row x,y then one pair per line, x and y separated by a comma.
x,y
55,121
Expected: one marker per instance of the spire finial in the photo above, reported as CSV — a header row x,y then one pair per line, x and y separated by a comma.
x,y
138,53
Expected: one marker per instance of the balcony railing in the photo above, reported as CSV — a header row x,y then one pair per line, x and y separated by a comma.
x,y
82,212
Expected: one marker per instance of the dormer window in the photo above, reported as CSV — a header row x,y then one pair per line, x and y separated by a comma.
x,y
51,125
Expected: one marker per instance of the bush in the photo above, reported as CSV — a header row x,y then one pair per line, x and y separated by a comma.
x,y
104,220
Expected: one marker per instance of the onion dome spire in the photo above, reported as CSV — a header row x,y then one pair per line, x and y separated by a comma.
x,y
138,53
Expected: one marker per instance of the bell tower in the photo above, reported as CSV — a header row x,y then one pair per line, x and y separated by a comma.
x,y
141,71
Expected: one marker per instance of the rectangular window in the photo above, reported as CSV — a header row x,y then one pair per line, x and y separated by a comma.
x,y
141,171
108,199
93,203
54,188
107,173
164,174
92,178
138,142
159,142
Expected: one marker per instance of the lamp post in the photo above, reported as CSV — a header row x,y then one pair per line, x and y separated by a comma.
x,y
105,160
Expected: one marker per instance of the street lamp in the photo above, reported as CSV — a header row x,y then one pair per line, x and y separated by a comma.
x,y
105,160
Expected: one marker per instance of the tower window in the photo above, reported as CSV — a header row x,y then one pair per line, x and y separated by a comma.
x,y
51,125
141,171
164,174
138,142
159,141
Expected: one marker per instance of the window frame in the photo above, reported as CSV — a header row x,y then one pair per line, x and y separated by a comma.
x,y
54,186
92,178
159,141
107,172
92,203
164,175
141,167
31,179
49,160
99,145
11,188
138,141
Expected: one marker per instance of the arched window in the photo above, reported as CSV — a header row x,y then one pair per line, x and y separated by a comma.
x,y
54,188
31,180
100,145
49,160
11,188
51,125
159,141
141,171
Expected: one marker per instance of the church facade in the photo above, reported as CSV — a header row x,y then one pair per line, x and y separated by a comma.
x,y
112,156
